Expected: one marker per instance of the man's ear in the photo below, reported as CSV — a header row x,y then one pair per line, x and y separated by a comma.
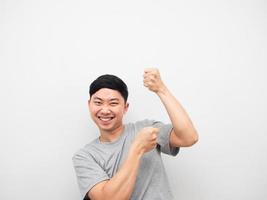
x,y
88,102
126,107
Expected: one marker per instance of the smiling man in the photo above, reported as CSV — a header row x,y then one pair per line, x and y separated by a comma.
x,y
124,162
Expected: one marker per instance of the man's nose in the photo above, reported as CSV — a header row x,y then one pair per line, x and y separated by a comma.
x,y
105,109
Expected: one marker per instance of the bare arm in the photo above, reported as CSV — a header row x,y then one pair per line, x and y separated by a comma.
x,y
120,186
183,133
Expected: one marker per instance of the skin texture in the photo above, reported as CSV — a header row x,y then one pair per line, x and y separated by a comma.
x,y
107,108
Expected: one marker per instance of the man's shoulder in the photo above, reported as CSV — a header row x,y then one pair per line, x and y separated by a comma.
x,y
86,150
145,122
137,124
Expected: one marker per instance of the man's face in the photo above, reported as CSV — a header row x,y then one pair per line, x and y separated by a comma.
x,y
107,108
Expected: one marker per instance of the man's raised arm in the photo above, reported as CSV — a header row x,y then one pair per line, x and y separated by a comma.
x,y
183,133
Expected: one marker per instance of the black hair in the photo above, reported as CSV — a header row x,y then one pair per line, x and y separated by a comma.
x,y
109,81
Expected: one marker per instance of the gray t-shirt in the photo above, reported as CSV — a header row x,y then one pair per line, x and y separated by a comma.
x,y
99,161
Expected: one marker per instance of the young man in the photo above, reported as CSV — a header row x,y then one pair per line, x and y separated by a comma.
x,y
125,161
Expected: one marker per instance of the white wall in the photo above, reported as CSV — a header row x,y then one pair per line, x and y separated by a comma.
x,y
211,54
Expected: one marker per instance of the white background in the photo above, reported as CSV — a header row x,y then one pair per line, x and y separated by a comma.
x,y
211,54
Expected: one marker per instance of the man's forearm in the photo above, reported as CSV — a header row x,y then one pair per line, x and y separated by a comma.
x,y
182,125
120,186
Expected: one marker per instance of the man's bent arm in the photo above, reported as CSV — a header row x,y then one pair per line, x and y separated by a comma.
x,y
183,133
120,186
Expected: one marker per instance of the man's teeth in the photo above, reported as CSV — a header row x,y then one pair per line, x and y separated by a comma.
x,y
105,118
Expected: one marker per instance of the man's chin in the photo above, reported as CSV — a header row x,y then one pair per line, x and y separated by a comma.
x,y
105,127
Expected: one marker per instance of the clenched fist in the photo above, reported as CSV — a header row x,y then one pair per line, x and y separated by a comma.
x,y
152,80
146,139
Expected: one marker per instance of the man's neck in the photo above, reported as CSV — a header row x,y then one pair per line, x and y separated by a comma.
x,y
110,136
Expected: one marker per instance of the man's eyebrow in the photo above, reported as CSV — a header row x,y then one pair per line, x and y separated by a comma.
x,y
114,99
97,98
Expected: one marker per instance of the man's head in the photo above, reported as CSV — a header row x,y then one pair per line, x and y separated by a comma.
x,y
111,82
108,102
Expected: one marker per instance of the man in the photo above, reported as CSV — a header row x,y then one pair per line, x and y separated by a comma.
x,y
125,161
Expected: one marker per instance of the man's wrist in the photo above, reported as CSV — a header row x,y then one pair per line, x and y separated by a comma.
x,y
162,90
137,150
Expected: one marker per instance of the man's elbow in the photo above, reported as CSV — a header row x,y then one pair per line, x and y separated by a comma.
x,y
194,139
190,141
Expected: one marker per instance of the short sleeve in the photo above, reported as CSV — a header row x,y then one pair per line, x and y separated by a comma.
x,y
88,172
163,139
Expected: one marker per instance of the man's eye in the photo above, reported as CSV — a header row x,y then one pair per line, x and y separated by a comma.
x,y
114,103
97,103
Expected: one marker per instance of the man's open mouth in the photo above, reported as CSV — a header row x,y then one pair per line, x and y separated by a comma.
x,y
105,119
